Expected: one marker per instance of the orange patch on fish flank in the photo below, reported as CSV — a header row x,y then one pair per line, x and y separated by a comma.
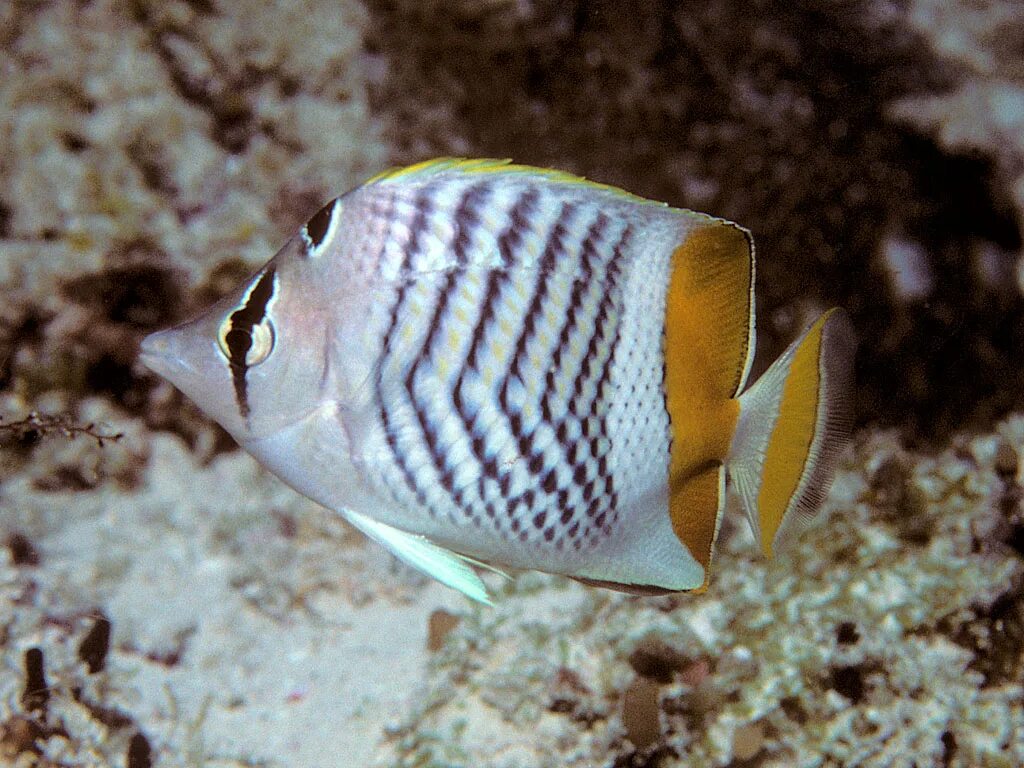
x,y
707,337
707,330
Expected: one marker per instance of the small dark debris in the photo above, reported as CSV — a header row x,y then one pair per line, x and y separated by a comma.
x,y
568,696
149,160
286,525
561,706
5,219
95,645
848,681
641,712
74,142
112,376
23,551
169,657
846,633
202,7
140,753
654,659
948,748
794,709
440,624
288,86
36,694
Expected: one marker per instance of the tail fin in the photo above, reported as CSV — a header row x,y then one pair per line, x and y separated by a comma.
x,y
794,423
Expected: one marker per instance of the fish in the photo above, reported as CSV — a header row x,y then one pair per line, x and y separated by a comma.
x,y
487,365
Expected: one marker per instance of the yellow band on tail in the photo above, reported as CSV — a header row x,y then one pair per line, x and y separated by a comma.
x,y
804,401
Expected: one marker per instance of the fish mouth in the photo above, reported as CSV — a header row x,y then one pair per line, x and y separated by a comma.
x,y
159,352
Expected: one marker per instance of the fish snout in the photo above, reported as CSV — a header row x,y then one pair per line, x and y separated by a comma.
x,y
161,352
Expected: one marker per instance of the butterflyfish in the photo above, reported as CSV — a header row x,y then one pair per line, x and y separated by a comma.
x,y
481,364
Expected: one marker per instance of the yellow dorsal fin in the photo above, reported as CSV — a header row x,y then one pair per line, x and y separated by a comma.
x,y
708,341
485,165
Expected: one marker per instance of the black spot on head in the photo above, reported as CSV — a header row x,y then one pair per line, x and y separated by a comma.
x,y
316,227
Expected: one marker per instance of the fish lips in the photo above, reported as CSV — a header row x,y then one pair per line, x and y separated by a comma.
x,y
161,352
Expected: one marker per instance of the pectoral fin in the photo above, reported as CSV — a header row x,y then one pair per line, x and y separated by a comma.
x,y
449,568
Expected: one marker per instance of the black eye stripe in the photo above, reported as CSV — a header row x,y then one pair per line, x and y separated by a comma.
x,y
316,228
239,335
255,305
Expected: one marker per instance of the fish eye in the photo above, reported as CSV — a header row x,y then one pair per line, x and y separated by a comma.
x,y
246,347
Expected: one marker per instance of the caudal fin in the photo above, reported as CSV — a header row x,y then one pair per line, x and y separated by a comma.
x,y
794,423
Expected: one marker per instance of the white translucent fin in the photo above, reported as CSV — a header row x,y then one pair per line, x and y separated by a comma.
x,y
794,424
437,562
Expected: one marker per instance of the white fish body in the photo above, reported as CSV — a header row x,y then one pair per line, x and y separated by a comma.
x,y
523,368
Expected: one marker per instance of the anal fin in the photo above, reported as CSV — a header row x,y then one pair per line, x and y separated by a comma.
x,y
449,568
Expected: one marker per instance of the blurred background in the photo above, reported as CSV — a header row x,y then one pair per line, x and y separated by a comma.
x,y
874,148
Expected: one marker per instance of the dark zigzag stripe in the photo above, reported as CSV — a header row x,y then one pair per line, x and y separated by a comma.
x,y
571,321
587,252
496,279
554,248
385,209
597,492
606,498
465,220
571,454
423,208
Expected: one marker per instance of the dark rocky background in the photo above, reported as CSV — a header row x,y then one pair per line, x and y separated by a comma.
x,y
778,116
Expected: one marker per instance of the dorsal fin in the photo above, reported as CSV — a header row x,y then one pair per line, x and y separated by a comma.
x,y
460,165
